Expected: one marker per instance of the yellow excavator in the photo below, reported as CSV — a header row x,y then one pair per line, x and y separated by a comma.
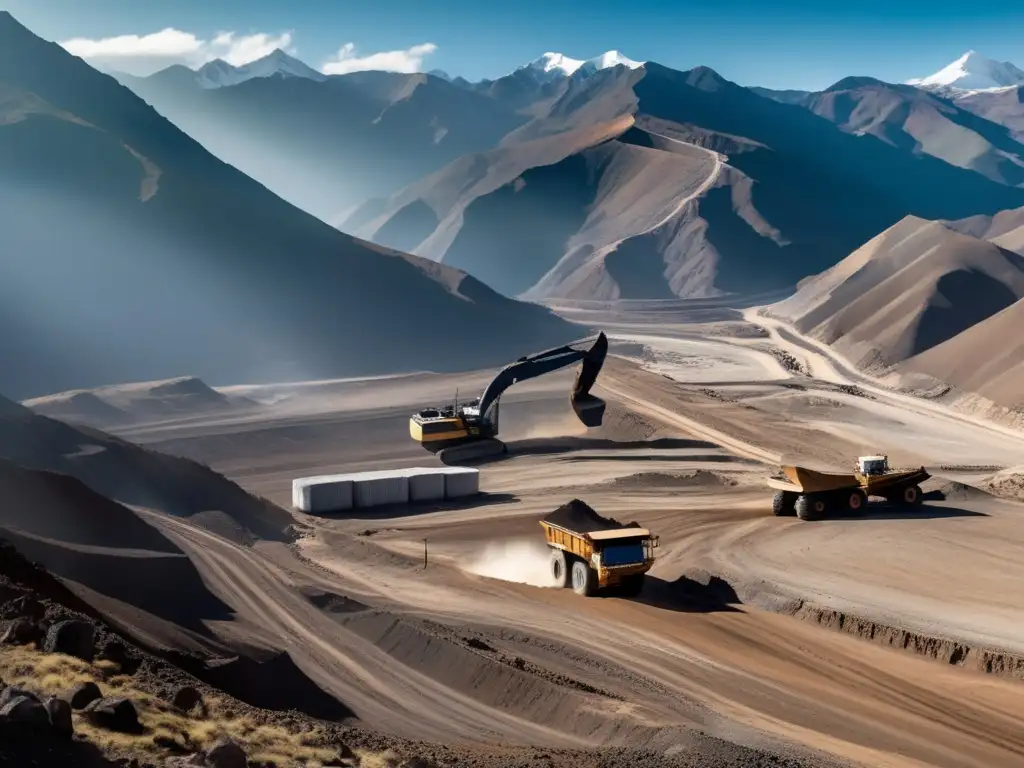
x,y
464,431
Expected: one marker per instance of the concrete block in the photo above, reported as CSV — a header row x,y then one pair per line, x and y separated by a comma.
x,y
322,494
374,489
460,482
425,484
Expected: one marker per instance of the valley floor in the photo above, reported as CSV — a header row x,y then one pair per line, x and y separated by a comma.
x,y
910,649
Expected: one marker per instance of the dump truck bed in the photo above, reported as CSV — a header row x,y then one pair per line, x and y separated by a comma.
x,y
805,481
579,518
578,529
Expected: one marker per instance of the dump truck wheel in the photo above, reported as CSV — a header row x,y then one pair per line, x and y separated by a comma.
x,y
559,568
811,507
857,501
584,580
784,504
911,495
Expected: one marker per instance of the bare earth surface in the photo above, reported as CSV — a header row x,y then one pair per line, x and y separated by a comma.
x,y
475,648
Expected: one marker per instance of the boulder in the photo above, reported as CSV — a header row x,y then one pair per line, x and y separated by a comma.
x,y
114,714
84,694
72,638
225,754
27,607
186,698
11,692
59,712
25,710
117,652
18,604
22,632
345,755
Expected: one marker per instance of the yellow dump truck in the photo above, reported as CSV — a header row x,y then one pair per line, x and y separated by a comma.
x,y
813,495
592,553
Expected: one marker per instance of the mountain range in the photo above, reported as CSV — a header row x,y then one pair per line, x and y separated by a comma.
x,y
132,253
327,143
205,214
523,182
938,302
973,72
705,188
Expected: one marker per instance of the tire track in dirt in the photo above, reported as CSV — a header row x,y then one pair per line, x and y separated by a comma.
x,y
375,685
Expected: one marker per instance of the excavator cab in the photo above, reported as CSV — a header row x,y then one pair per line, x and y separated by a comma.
x,y
442,428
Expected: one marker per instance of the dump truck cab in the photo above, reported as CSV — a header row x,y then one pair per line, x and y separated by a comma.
x,y
591,553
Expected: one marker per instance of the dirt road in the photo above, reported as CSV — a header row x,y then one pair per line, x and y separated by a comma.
x,y
474,647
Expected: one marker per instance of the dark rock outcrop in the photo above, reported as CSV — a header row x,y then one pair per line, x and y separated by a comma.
x,y
73,638
59,713
22,632
114,714
225,754
85,694
186,698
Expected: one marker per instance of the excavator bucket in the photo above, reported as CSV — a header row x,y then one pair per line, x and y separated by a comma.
x,y
590,409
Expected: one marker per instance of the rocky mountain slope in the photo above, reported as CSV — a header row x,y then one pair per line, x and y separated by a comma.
x,y
972,72
145,401
168,262
1005,229
922,298
131,475
709,188
990,89
919,122
328,144
1004,106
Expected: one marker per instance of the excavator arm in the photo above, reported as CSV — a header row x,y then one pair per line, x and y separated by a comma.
x,y
589,409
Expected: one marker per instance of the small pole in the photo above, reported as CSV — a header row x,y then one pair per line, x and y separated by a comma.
x,y
424,553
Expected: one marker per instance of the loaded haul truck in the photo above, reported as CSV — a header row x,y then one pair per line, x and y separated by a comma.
x,y
592,553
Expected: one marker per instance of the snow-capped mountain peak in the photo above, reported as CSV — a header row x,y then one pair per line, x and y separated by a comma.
x,y
613,59
552,66
218,73
973,72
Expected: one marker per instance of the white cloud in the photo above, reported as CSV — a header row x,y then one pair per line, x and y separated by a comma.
x,y
242,50
144,54
346,60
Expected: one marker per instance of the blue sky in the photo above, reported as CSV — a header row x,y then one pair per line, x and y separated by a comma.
x,y
785,43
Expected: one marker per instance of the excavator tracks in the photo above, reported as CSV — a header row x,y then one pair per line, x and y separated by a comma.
x,y
468,452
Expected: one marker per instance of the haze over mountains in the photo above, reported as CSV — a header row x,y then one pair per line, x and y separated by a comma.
x,y
132,253
328,144
790,192
524,182
583,179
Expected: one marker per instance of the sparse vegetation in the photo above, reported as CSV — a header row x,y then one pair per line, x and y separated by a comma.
x,y
853,389
788,362
166,730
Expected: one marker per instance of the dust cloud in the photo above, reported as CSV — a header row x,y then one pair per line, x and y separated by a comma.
x,y
524,561
563,425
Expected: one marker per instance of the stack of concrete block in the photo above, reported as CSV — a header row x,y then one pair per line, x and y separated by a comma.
x,y
335,493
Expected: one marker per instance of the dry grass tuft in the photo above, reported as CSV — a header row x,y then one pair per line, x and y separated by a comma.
x,y
168,731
